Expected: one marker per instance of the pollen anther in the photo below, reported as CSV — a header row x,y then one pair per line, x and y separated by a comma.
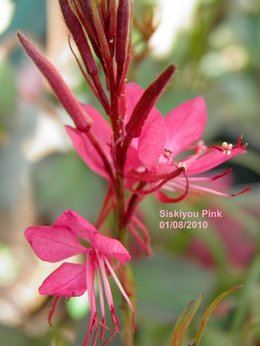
x,y
227,148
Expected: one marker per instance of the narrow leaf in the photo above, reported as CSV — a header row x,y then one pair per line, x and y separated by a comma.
x,y
80,117
179,322
209,311
187,320
146,103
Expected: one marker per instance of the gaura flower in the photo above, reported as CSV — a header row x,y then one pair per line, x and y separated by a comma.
x,y
153,159
150,150
72,235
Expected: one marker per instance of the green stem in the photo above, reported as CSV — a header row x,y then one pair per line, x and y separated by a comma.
x,y
128,283
126,276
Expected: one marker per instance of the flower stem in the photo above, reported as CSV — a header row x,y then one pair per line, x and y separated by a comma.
x,y
126,277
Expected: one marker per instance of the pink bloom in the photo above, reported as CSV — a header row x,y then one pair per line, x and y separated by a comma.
x,y
153,157
72,235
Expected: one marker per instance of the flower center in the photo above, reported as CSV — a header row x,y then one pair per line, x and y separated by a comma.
x,y
226,148
182,165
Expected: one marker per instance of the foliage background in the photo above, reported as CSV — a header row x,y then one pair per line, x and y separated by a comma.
x,y
217,56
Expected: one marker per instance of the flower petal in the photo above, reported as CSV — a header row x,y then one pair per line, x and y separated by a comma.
x,y
109,247
211,159
76,224
133,94
52,243
132,159
69,280
152,139
85,148
185,124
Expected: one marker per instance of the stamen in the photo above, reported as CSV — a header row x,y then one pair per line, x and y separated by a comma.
x,y
90,276
119,284
53,308
166,199
110,338
146,247
108,293
226,148
102,307
146,235
165,177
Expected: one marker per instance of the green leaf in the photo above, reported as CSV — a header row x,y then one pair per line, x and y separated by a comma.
x,y
209,311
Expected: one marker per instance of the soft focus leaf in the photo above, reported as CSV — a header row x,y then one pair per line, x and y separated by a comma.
x,y
62,182
180,331
209,311
163,283
8,94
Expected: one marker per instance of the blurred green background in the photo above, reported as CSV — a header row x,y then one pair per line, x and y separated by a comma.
x,y
216,47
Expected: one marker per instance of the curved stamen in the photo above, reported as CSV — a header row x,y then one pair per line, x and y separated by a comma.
x,y
223,174
108,293
166,199
110,269
90,277
143,244
52,311
146,240
150,177
106,208
227,148
216,192
102,307
169,176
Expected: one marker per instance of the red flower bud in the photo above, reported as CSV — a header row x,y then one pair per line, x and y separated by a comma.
x,y
80,117
146,102
122,37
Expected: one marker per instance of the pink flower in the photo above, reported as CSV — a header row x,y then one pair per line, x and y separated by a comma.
x,y
72,235
152,159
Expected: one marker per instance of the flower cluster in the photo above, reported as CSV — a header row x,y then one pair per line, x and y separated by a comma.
x,y
137,151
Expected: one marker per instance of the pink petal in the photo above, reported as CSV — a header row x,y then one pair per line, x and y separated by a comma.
x,y
152,139
69,280
109,247
76,224
185,124
133,95
151,142
132,159
211,159
85,148
53,244
100,127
